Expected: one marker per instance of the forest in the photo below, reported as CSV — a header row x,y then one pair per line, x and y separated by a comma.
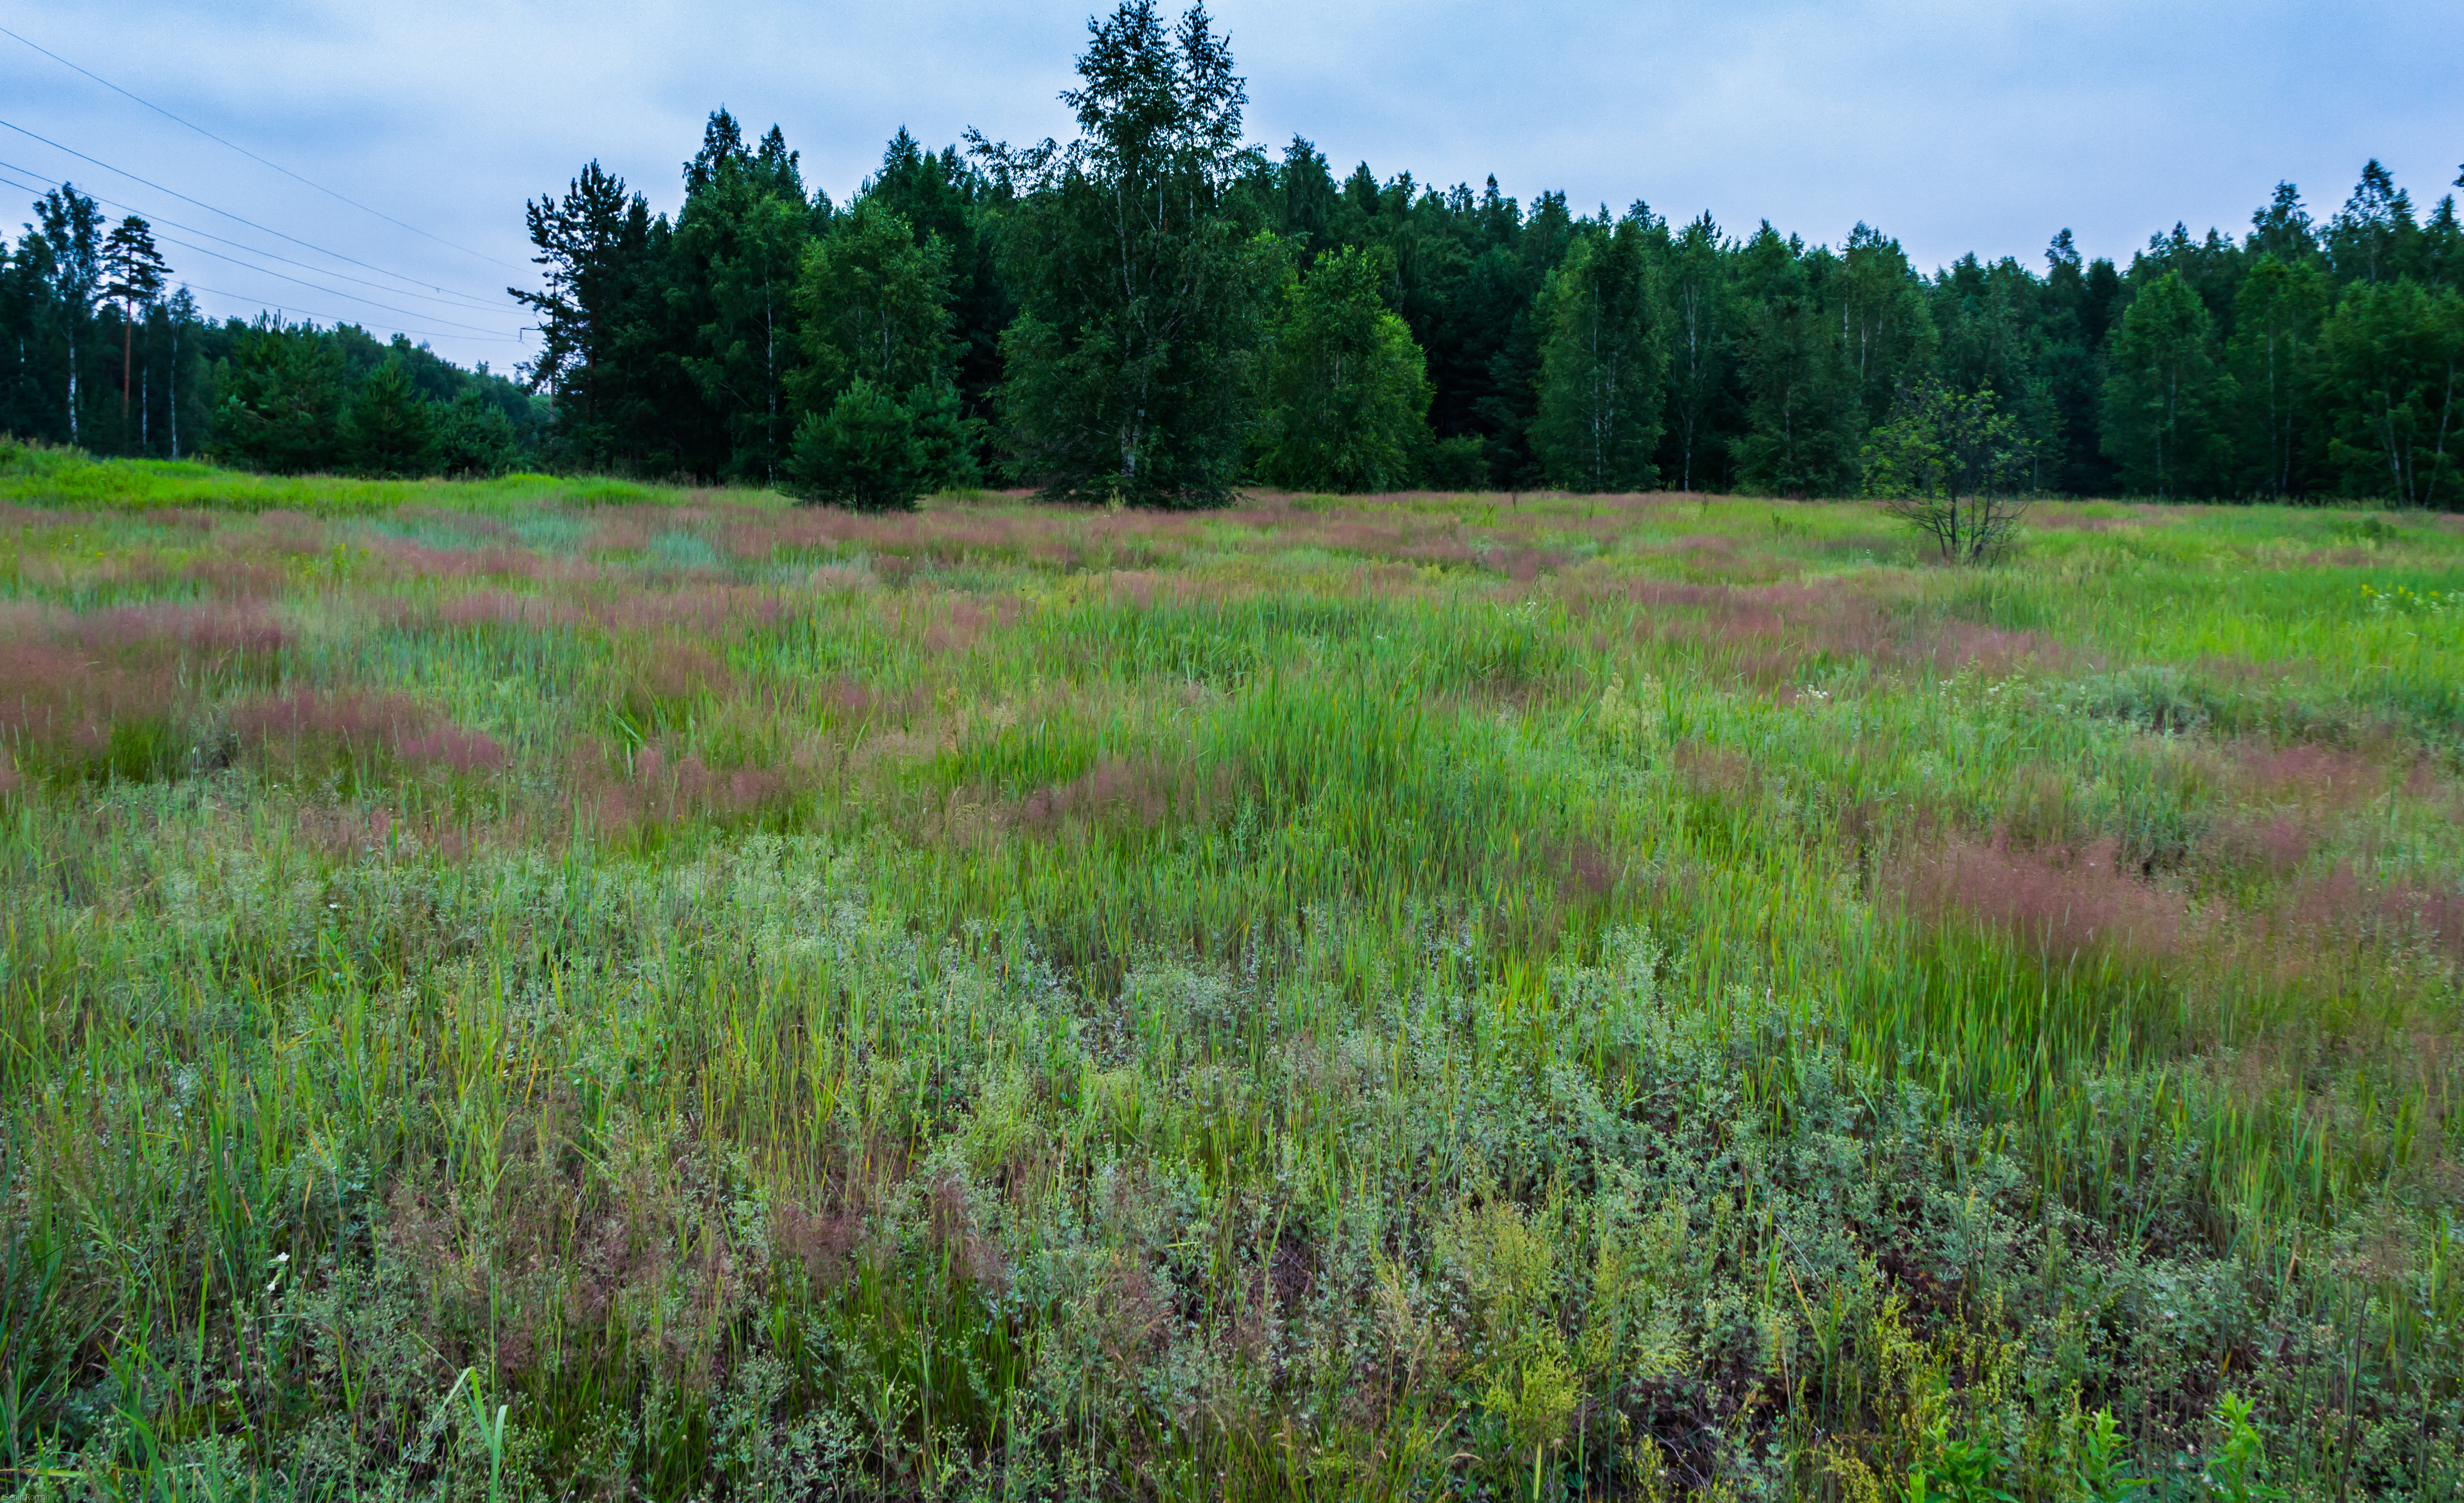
x,y
1160,310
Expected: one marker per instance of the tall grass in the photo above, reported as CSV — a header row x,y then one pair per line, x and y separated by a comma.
x,y
1595,997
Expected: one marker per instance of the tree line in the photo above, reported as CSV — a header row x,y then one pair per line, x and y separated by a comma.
x,y
98,351
1157,312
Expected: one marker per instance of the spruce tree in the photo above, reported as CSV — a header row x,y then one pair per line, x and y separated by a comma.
x,y
388,430
283,393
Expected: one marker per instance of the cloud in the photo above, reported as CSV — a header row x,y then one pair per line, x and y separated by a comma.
x,y
1956,127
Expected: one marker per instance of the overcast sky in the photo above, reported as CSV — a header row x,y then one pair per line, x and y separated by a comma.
x,y
1955,126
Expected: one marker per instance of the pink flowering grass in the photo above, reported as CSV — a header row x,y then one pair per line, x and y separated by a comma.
x,y
311,732
2057,906
115,693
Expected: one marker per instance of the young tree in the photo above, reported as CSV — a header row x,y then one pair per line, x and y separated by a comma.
x,y
1142,289
2164,393
1347,393
1603,357
281,407
862,452
1951,466
388,430
133,274
474,437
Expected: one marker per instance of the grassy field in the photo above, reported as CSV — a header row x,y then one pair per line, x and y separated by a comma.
x,y
570,989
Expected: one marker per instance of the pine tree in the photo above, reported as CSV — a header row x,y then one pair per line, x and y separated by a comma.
x,y
133,275
600,321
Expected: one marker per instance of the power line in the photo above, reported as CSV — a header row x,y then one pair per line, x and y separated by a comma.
x,y
331,292
449,299
254,157
425,334
239,297
223,212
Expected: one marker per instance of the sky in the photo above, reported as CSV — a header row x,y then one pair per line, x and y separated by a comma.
x,y
1955,126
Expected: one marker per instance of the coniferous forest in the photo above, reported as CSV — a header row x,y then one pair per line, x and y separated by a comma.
x,y
1159,310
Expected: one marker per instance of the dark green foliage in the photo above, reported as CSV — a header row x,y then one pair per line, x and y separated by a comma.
x,y
474,438
943,198
2164,398
2395,358
874,452
390,430
1347,390
2274,363
1803,419
601,323
876,301
1142,285
284,392
1699,350
1603,361
1103,310
738,251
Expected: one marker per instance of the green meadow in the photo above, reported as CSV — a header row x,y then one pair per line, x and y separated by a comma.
x,y
570,989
